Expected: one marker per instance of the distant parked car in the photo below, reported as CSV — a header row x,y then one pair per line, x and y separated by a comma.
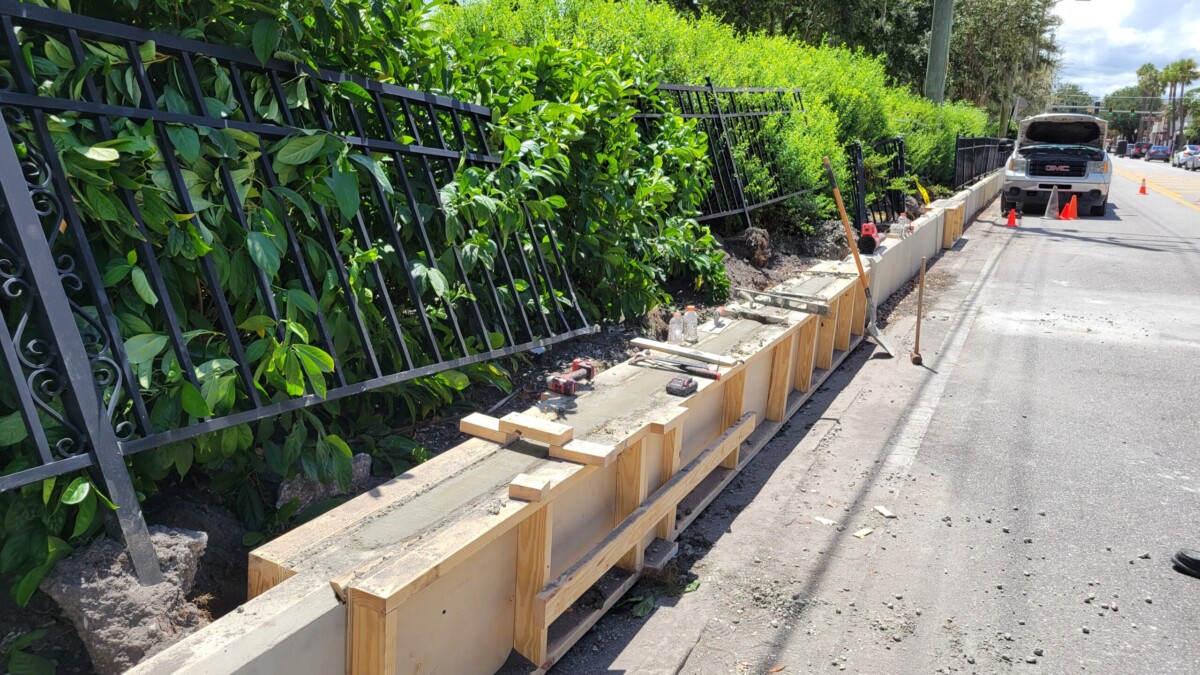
x,y
1160,153
1193,162
1138,150
1180,158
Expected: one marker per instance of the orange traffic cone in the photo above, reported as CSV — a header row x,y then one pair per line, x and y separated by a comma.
x,y
1074,206
1066,212
1142,190
1012,218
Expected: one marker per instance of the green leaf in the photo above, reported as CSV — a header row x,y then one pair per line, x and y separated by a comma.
x,y
438,281
257,323
48,489
97,154
142,285
345,190
27,639
182,457
300,149
77,491
265,39
557,201
186,142
143,348
317,357
355,90
456,380
292,375
25,588
193,402
302,301
12,429
85,515
263,252
643,607
374,169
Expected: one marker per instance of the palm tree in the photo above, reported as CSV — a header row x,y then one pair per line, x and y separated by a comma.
x,y
1186,72
1150,82
1170,76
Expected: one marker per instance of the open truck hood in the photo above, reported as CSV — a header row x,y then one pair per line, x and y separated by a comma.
x,y
1062,129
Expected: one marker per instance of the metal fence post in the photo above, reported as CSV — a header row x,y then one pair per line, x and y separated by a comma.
x,y
860,186
737,176
69,362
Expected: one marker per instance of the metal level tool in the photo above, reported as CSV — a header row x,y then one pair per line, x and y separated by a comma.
x,y
806,303
675,364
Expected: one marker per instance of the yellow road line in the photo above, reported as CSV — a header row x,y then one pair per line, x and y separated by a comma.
x,y
1170,194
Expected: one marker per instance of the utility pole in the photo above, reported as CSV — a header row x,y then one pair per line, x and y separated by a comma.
x,y
939,50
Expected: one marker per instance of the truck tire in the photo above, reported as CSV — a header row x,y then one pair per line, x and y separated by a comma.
x,y
1098,209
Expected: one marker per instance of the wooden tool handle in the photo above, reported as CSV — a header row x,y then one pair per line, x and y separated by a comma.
x,y
837,197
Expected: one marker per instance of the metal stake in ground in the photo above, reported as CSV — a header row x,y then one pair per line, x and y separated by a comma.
x,y
916,352
872,329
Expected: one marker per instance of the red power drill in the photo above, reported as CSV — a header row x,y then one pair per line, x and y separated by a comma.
x,y
566,383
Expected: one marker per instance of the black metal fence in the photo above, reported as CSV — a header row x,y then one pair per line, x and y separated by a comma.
x,y
977,157
875,196
742,159
410,304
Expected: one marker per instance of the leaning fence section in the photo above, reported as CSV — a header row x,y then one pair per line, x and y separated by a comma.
x,y
977,157
293,242
741,124
875,190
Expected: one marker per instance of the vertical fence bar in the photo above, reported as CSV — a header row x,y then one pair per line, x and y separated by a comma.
x,y
740,190
80,398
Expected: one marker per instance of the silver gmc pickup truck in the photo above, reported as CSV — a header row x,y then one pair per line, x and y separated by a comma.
x,y
1063,151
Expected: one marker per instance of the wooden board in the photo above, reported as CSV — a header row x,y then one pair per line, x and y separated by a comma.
x,y
564,590
536,428
587,452
534,540
529,488
487,428
679,350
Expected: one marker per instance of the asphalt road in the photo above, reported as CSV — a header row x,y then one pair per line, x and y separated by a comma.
x,y
1042,466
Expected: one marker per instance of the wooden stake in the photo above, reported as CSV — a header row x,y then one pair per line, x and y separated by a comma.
x,y
534,539
916,352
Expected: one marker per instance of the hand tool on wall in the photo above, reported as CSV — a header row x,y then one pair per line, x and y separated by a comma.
x,y
567,383
675,364
916,352
872,329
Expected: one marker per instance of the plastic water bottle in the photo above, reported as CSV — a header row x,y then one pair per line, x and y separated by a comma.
x,y
691,321
903,227
675,330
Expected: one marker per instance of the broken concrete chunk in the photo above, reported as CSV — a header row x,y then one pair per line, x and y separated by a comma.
x,y
120,621
824,521
864,532
883,511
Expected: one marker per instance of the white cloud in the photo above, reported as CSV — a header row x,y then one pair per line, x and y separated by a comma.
x,y
1105,41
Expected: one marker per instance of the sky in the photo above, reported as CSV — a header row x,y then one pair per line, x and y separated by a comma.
x,y
1104,41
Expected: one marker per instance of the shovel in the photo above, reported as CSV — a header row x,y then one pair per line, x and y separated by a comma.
x,y
872,329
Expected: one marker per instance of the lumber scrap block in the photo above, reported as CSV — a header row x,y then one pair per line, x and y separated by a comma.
x,y
529,488
536,429
557,596
679,350
534,541
631,492
780,383
659,553
487,428
806,353
586,452
953,223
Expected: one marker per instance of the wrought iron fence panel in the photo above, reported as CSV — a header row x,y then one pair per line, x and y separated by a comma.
x,y
977,157
385,285
743,161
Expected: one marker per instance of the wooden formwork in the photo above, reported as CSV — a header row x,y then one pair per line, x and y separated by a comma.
x,y
490,547
953,229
